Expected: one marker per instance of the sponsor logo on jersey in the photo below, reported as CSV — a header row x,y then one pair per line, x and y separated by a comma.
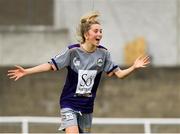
x,y
100,62
85,81
76,61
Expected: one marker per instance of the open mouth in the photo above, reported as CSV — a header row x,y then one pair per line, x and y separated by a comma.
x,y
97,39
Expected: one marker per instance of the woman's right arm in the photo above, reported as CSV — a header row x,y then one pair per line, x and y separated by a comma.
x,y
20,71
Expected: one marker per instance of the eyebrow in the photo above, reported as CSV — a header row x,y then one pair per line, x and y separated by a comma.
x,y
98,29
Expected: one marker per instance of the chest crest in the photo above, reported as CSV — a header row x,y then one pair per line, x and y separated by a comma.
x,y
99,62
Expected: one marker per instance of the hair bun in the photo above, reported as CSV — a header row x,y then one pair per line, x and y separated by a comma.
x,y
83,20
92,16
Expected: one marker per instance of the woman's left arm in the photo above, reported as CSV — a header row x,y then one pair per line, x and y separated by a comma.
x,y
140,62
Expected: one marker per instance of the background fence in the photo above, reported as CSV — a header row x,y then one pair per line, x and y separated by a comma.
x,y
146,122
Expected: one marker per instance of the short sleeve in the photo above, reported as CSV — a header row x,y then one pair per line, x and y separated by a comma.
x,y
61,60
110,66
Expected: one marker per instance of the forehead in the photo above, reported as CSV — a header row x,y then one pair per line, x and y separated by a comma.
x,y
96,26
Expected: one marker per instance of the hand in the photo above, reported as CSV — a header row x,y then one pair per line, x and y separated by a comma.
x,y
141,61
16,73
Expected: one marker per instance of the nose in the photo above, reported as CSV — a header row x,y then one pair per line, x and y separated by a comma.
x,y
100,34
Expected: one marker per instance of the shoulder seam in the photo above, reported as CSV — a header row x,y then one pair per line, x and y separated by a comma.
x,y
73,46
102,47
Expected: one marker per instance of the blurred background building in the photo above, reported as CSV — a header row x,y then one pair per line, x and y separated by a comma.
x,y
32,31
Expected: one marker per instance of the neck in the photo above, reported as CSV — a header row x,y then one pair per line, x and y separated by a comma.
x,y
88,47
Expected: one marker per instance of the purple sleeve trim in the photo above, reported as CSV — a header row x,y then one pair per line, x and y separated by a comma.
x,y
54,62
73,46
102,47
112,69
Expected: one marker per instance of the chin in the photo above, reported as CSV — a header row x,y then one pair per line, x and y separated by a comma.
x,y
97,44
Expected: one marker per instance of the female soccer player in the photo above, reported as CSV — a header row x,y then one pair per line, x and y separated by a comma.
x,y
85,63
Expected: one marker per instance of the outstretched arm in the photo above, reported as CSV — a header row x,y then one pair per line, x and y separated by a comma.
x,y
140,62
20,71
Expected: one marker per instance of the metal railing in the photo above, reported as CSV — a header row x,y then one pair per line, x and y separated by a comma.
x,y
147,122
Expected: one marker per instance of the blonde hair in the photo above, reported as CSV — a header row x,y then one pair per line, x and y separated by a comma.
x,y
85,24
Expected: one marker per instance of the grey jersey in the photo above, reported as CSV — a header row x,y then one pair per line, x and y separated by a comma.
x,y
84,73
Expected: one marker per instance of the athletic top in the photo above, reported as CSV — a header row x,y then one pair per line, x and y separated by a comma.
x,y
83,77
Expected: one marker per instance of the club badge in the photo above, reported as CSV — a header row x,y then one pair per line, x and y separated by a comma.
x,y
100,62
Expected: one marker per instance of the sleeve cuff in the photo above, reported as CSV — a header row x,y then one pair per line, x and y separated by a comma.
x,y
54,62
114,69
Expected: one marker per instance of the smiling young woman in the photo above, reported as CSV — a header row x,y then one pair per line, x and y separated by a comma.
x,y
85,62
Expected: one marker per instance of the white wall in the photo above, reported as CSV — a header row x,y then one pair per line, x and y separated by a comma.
x,y
122,21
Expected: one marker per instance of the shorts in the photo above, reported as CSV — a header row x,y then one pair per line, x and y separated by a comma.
x,y
70,117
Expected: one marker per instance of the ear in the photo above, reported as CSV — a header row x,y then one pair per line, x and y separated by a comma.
x,y
86,35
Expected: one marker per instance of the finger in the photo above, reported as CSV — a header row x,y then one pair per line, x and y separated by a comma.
x,y
19,67
143,66
12,77
11,71
146,63
139,57
146,58
9,74
16,78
